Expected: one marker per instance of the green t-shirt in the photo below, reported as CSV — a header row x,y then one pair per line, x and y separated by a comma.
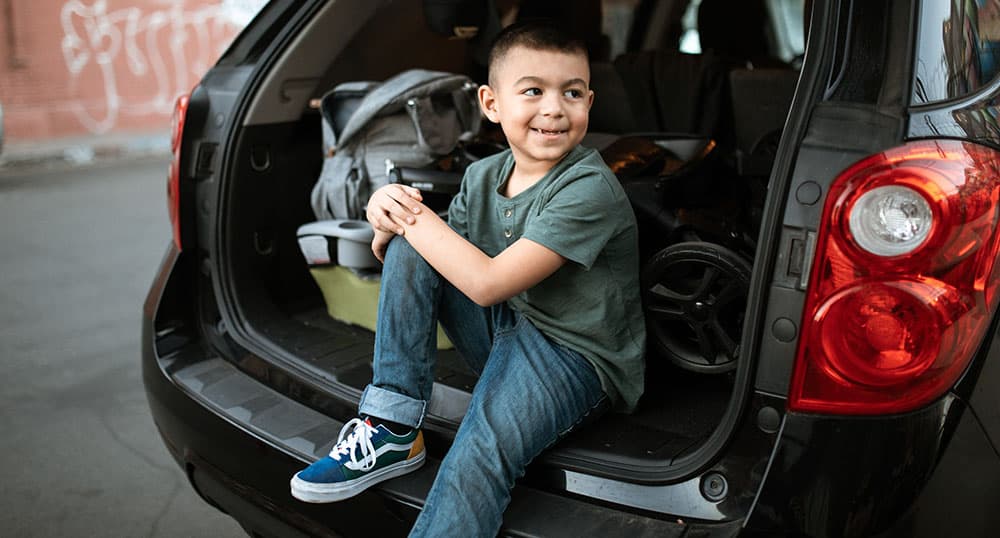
x,y
578,210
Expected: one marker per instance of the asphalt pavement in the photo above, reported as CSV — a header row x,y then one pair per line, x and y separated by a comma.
x,y
79,454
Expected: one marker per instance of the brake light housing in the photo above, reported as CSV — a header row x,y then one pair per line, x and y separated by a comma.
x,y
174,170
903,285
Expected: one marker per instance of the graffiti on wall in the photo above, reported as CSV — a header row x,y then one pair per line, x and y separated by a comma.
x,y
141,58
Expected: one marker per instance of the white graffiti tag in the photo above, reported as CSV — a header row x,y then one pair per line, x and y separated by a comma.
x,y
142,58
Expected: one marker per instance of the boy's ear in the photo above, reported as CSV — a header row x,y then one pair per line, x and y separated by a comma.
x,y
488,103
590,99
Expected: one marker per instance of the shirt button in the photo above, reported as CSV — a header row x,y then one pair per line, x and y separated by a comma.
x,y
507,213
507,234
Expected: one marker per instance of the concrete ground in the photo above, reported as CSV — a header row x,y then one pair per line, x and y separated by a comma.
x,y
79,455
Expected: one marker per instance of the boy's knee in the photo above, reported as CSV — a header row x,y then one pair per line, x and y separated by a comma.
x,y
400,254
400,249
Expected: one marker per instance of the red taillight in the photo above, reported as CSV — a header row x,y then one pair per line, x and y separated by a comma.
x,y
902,287
174,172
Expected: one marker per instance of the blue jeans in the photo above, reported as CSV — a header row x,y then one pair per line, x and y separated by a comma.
x,y
531,391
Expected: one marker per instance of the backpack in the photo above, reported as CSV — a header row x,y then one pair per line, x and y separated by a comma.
x,y
411,119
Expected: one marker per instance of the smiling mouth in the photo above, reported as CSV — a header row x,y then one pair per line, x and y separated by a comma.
x,y
547,132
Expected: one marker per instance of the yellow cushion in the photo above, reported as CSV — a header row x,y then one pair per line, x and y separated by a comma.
x,y
351,299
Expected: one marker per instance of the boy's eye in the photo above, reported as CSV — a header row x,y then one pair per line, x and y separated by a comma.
x,y
532,92
573,94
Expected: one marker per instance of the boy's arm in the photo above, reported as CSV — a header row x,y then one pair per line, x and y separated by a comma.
x,y
485,280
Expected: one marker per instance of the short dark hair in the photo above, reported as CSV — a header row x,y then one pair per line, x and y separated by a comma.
x,y
537,34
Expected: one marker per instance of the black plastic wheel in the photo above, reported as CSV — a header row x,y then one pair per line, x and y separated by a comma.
x,y
694,296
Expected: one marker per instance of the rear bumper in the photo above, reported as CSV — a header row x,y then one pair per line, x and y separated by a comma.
x,y
247,476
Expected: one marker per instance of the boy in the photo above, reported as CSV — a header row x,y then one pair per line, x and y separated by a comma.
x,y
535,279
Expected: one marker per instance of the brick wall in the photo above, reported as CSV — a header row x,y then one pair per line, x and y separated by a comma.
x,y
80,67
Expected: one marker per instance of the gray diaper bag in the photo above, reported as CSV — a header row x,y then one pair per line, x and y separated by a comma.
x,y
411,119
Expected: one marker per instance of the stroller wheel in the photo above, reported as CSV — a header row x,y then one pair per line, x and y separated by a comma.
x,y
694,297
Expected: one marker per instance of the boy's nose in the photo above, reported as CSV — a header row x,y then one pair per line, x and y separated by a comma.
x,y
551,106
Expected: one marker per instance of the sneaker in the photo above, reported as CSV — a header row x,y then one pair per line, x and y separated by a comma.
x,y
363,456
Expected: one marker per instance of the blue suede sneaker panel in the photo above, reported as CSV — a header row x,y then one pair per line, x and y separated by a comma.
x,y
362,457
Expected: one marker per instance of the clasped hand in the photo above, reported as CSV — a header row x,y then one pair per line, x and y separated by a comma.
x,y
389,208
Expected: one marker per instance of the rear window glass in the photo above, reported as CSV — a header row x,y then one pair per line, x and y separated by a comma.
x,y
958,49
786,35
784,29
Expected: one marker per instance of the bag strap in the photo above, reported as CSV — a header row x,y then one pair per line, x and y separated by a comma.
x,y
390,97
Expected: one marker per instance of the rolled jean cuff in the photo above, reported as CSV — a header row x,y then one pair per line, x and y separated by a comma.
x,y
392,406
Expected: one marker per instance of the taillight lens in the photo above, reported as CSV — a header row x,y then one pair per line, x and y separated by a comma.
x,y
902,287
890,220
174,171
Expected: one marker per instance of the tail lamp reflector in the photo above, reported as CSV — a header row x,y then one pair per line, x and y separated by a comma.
x,y
902,287
174,170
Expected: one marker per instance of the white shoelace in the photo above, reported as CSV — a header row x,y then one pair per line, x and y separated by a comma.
x,y
360,436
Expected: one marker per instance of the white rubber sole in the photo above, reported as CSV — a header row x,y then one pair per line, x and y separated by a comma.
x,y
328,493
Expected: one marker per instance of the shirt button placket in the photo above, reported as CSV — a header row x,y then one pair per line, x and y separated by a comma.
x,y
508,231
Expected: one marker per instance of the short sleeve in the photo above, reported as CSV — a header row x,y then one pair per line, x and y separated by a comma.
x,y
458,217
578,220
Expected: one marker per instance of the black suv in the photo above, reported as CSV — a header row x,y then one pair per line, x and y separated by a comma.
x,y
818,192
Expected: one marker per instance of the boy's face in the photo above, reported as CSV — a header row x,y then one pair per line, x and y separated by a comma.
x,y
541,99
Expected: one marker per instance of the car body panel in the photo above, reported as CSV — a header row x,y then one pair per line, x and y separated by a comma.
x,y
981,388
851,476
